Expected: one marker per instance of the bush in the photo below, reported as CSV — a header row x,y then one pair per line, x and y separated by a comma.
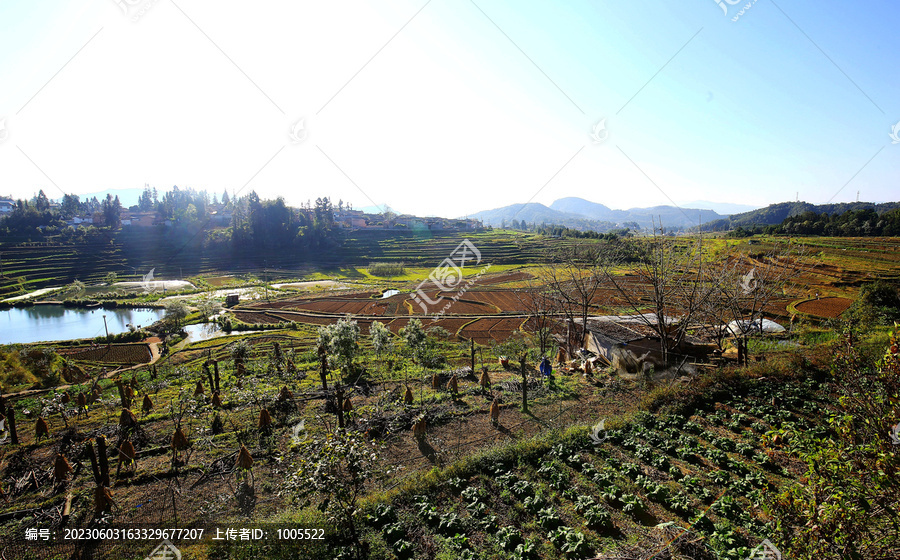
x,y
386,269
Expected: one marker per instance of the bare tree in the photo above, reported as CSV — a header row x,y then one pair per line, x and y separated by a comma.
x,y
542,306
743,286
667,287
574,280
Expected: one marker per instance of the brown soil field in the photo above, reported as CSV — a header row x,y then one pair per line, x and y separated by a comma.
x,y
115,353
828,307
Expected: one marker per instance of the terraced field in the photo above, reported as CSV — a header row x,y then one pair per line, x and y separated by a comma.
x,y
828,307
579,495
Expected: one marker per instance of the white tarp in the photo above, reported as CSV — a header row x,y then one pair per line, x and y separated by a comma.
x,y
758,325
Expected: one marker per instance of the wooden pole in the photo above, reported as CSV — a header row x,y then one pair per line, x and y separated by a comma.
x,y
104,462
473,356
216,372
339,394
11,417
89,449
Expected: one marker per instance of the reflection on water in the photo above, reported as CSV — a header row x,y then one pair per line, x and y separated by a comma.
x,y
42,323
389,293
202,331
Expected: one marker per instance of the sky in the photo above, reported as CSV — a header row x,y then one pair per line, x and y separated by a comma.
x,y
449,107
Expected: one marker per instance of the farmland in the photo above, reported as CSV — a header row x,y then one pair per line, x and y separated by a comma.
x,y
694,464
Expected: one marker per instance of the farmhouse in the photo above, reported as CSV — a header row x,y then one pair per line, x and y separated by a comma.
x,y
630,344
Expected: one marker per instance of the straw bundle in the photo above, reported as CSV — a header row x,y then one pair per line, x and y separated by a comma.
x,y
265,420
41,429
198,390
408,396
453,384
244,459
216,400
495,411
485,381
348,406
179,440
148,404
61,468
127,419
435,382
419,428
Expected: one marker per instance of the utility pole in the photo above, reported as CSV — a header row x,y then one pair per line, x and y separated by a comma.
x,y
106,329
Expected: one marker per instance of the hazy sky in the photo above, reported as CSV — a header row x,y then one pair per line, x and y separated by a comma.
x,y
448,107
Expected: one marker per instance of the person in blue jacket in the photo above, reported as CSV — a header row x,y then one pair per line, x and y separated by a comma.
x,y
546,368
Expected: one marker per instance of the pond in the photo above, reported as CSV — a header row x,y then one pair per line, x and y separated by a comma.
x,y
389,293
42,323
202,331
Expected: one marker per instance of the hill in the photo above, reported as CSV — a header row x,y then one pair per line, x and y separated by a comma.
x,y
579,213
774,214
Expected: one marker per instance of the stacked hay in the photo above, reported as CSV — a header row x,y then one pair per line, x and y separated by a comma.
x,y
199,390
408,396
127,419
61,469
244,459
216,400
265,419
147,406
41,429
495,411
436,382
348,406
179,440
453,384
485,381
419,429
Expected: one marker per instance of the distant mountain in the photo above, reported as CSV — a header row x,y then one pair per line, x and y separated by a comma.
x,y
724,208
586,215
774,214
534,213
586,208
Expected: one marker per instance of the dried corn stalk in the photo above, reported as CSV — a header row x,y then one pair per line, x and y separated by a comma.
x,y
198,390
435,382
453,384
103,501
408,396
216,400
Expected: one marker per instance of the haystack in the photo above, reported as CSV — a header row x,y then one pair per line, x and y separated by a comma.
x,y
485,381
179,440
419,429
127,419
41,429
198,390
147,406
216,400
435,382
408,396
348,406
453,384
244,459
103,501
265,420
495,411
61,469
